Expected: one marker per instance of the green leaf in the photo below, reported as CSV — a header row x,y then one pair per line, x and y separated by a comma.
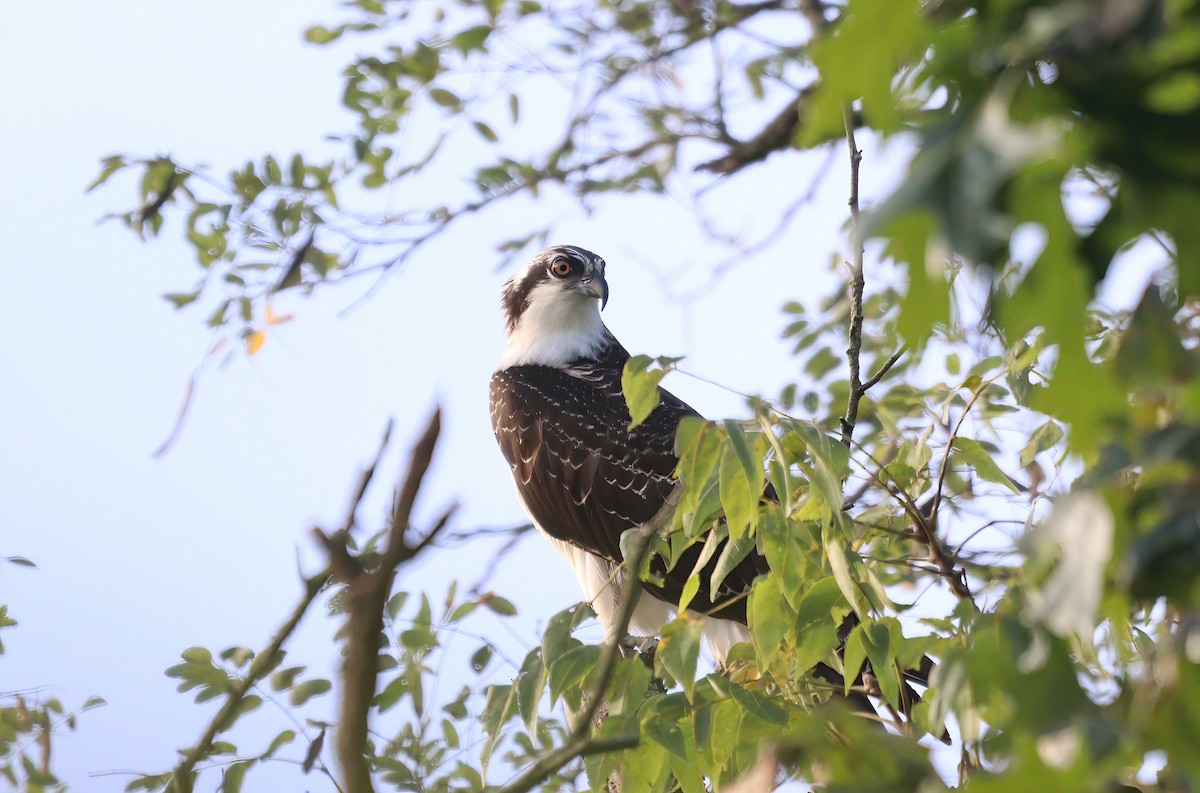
x,y
19,560
698,445
556,638
644,769
818,600
1043,438
462,610
840,566
980,459
486,132
111,165
738,500
445,98
530,683
679,650
307,690
758,705
627,689
785,548
769,620
751,463
814,643
639,383
876,640
481,657
395,605
280,740
830,464
321,35
731,556
391,694
197,655
690,587
662,729
471,38
855,655
496,711
859,60
572,669
233,775
499,605
284,678
248,704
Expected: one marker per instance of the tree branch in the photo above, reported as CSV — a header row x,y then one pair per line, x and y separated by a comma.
x,y
814,12
887,365
364,480
367,590
857,285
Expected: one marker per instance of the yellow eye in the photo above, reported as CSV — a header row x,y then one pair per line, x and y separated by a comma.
x,y
561,268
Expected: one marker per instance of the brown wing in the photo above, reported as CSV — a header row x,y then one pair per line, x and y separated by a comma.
x,y
585,477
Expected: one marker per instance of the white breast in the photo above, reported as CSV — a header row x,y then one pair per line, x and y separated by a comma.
x,y
557,327
602,581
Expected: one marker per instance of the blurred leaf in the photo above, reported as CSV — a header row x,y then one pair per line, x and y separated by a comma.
x,y
981,460
254,341
320,35
278,742
314,752
1043,438
499,605
572,669
305,691
758,705
500,704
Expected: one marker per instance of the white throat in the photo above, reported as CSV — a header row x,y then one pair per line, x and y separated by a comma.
x,y
556,327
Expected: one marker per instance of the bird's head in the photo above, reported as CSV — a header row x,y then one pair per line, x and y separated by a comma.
x,y
552,307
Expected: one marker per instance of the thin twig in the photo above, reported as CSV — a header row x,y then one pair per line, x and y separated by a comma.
x,y
814,12
857,285
364,480
887,365
183,776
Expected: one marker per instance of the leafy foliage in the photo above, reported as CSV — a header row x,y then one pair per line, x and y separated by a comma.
x,y
29,722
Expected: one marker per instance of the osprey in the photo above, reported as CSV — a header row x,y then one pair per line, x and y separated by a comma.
x,y
583,477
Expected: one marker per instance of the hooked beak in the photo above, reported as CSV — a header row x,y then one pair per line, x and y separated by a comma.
x,y
595,286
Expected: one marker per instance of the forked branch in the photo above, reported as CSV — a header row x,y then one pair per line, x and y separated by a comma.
x,y
368,585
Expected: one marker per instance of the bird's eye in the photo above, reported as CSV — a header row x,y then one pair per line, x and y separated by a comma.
x,y
561,268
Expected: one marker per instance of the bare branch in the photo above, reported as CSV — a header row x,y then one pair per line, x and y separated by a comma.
x,y
364,480
367,591
857,285
887,365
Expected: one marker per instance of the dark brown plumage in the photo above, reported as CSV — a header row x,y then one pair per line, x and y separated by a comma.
x,y
585,477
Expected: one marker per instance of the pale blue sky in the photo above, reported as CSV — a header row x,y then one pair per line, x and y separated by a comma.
x,y
139,558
